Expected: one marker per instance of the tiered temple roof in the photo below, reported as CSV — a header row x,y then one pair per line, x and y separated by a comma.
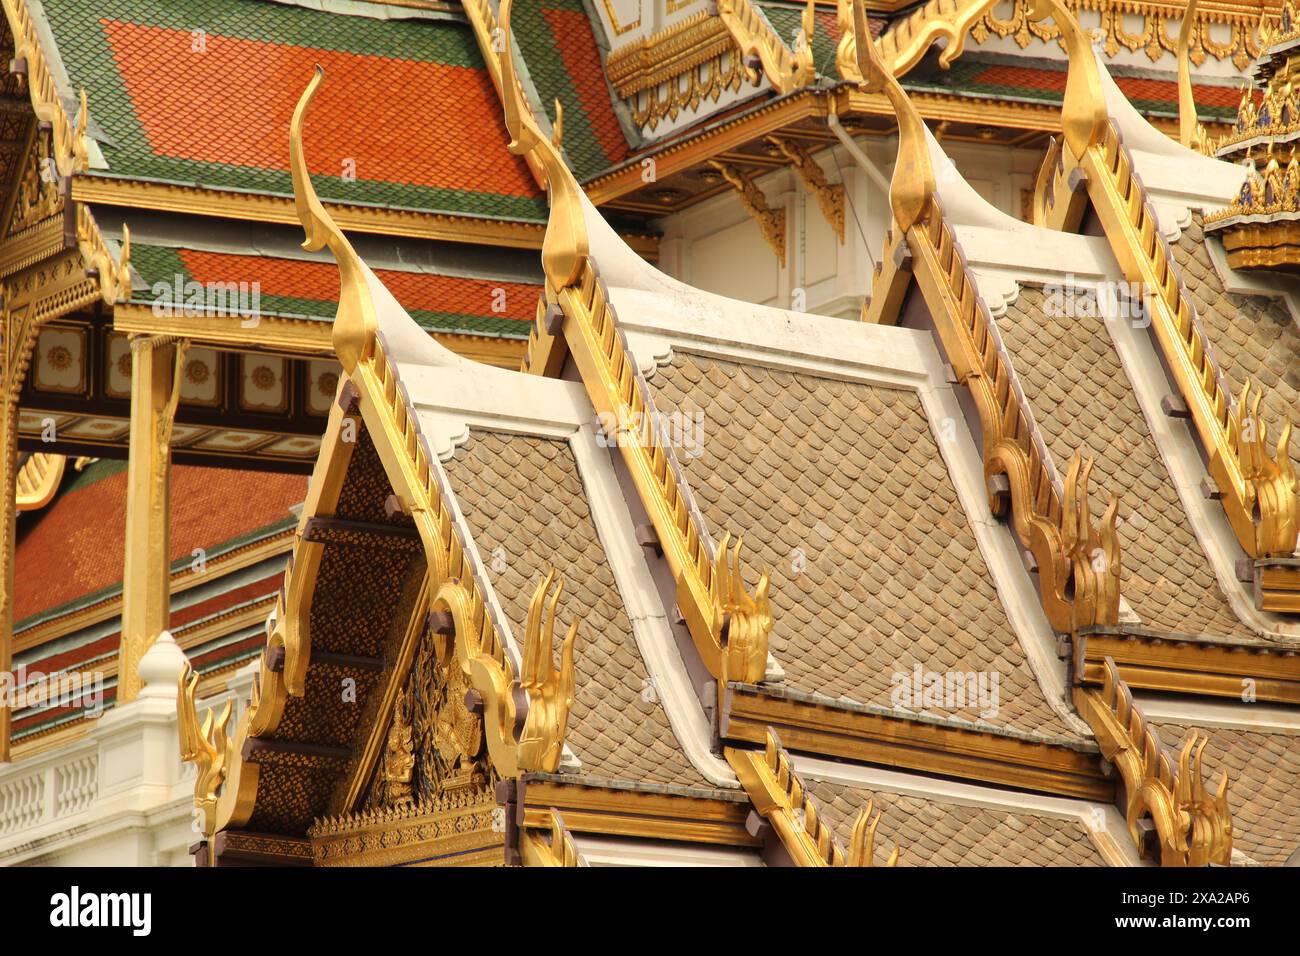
x,y
1003,573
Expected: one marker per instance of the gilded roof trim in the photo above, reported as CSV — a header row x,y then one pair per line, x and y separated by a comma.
x,y
1052,518
779,796
1194,827
728,624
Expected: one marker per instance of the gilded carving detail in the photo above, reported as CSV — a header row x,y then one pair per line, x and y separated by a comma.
x,y
829,196
779,796
205,745
771,222
550,691
1193,825
1244,43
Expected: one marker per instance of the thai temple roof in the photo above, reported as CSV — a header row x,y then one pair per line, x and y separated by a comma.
x,y
995,565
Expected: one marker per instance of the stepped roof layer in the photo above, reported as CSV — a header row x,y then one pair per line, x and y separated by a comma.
x,y
197,92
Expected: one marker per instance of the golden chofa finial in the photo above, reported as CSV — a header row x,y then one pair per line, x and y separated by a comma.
x,y
355,324
564,249
913,184
1083,114
550,690
1186,100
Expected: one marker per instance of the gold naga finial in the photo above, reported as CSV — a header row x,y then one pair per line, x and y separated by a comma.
x,y
1083,114
550,691
1193,828
564,249
912,185
862,843
1093,552
780,797
204,745
355,325
1186,100
1270,480
742,623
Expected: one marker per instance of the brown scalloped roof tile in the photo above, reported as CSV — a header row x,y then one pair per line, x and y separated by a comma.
x,y
933,833
1253,336
874,565
1082,399
617,727
1263,785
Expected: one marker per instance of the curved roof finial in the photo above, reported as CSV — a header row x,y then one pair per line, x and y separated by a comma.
x,y
565,247
1083,114
913,181
1186,100
355,324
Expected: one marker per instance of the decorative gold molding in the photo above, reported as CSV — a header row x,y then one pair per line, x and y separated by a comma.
x,y
550,691
905,41
1242,47
676,69
1151,660
779,797
589,807
715,604
829,196
1193,828
460,828
991,759
754,36
1259,491
559,850
38,479
771,222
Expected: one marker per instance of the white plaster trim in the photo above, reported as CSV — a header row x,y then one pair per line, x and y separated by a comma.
x,y
655,325
1102,822
1001,267
1264,718
1168,165
607,851
516,401
650,626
